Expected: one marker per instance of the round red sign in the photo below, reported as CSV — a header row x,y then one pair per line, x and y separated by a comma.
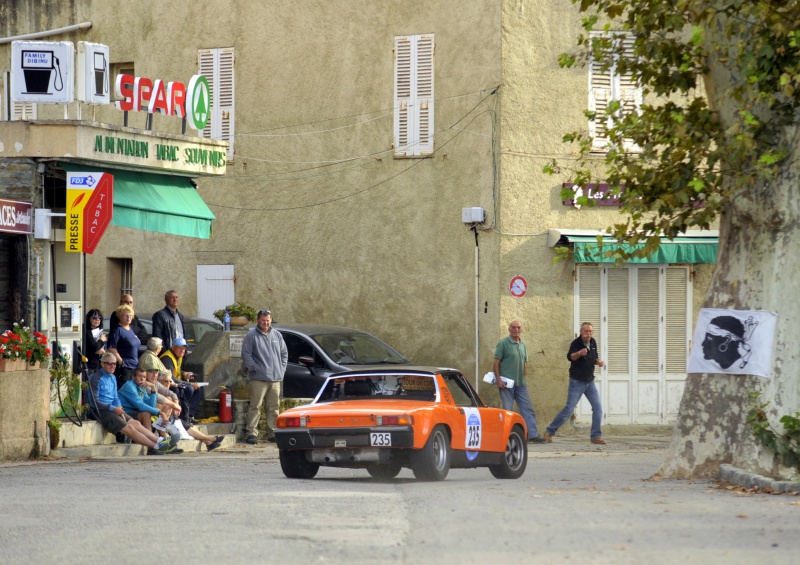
x,y
518,286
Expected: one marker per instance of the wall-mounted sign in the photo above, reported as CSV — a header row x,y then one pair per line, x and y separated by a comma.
x,y
171,99
596,192
16,217
41,71
90,198
93,73
518,286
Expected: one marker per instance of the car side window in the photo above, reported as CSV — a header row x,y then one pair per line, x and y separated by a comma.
x,y
297,347
459,390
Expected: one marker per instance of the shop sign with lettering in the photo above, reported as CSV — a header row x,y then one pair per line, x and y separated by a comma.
x,y
16,217
90,205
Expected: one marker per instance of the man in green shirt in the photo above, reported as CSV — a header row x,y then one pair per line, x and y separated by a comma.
x,y
510,361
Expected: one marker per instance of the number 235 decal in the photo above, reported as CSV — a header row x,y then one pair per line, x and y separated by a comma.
x,y
474,429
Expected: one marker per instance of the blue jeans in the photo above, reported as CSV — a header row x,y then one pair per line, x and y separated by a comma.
x,y
576,390
520,394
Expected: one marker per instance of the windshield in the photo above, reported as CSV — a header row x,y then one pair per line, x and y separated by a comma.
x,y
357,349
397,387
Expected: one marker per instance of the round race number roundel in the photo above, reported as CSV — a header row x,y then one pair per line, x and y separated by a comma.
x,y
518,286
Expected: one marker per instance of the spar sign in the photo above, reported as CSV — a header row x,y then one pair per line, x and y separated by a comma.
x,y
90,198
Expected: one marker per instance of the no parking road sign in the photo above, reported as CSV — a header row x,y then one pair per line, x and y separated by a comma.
x,y
518,286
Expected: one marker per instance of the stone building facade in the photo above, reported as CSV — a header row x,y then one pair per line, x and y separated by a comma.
x,y
342,198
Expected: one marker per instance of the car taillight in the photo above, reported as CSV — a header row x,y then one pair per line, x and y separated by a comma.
x,y
394,420
292,422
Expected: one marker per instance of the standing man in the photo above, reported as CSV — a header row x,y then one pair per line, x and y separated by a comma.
x,y
168,323
510,361
583,357
264,355
136,325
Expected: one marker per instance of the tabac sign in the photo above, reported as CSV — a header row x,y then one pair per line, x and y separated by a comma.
x,y
90,198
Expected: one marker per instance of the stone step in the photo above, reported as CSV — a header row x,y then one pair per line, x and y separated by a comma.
x,y
91,440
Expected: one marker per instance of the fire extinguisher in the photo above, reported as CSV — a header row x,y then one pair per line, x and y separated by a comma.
x,y
225,404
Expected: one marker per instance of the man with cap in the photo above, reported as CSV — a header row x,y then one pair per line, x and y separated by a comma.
x,y
189,390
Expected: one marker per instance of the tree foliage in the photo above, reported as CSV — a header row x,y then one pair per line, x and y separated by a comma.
x,y
721,80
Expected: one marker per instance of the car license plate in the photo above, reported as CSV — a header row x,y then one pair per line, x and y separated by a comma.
x,y
340,443
380,439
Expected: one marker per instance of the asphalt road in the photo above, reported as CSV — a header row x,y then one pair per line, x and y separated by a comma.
x,y
577,503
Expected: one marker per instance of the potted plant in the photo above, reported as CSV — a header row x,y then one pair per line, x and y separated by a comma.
x,y
55,431
20,348
239,312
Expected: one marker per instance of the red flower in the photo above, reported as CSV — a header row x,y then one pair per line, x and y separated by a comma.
x,y
28,354
47,350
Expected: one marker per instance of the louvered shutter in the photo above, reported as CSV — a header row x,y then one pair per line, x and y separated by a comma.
x,y
15,111
206,67
675,320
424,95
413,94
648,323
402,94
590,296
606,85
599,96
225,98
618,322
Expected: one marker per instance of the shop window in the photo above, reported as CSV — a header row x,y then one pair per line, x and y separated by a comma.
x,y
413,95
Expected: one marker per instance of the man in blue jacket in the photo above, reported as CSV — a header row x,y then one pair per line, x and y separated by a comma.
x,y
105,403
168,323
264,355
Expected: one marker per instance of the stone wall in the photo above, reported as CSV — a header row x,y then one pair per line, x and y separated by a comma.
x,y
24,413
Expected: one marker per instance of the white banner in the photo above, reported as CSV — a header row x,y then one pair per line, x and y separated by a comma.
x,y
735,342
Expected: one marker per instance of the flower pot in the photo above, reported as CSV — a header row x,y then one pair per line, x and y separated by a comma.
x,y
29,367
239,321
11,365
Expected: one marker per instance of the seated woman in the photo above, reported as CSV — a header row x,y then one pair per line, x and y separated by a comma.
x,y
94,339
124,344
149,359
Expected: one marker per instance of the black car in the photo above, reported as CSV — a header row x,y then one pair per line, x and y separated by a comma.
x,y
195,329
315,352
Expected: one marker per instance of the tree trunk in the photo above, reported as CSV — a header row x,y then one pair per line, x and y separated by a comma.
x,y
758,268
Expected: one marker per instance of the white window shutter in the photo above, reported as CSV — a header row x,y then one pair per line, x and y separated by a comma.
x,y
16,111
607,85
414,95
206,67
590,295
424,95
618,309
647,341
217,66
402,94
225,92
676,325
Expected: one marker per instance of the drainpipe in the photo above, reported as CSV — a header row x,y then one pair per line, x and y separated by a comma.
x,y
48,33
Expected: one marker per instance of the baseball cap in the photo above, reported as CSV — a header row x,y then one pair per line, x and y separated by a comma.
x,y
180,342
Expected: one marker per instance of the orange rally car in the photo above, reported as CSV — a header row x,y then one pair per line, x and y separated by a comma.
x,y
428,419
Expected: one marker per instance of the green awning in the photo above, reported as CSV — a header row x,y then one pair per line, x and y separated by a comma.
x,y
682,250
157,203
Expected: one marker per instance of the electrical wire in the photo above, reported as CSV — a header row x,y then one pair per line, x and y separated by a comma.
x,y
345,196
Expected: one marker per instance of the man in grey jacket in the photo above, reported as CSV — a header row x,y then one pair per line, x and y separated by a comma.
x,y
264,355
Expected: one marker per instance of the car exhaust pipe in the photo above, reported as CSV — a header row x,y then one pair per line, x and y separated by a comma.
x,y
292,441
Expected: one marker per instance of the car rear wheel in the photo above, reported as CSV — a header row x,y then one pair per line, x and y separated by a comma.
x,y
432,462
295,466
385,471
515,458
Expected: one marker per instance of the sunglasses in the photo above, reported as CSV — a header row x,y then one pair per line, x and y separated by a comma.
x,y
112,363
97,317
264,312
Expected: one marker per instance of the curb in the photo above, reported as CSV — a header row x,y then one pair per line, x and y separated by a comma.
x,y
738,477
